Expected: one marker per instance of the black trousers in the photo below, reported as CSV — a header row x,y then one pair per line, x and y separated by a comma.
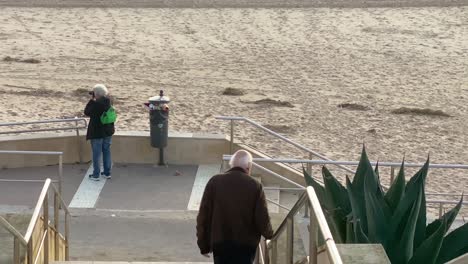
x,y
241,258
230,253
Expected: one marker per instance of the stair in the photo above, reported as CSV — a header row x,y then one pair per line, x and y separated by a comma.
x,y
273,195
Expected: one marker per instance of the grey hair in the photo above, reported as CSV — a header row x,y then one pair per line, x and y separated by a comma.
x,y
242,159
100,90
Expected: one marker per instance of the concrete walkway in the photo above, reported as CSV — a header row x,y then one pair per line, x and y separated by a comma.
x,y
144,213
139,215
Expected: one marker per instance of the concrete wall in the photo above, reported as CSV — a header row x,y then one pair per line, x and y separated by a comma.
x,y
134,147
357,254
65,142
127,147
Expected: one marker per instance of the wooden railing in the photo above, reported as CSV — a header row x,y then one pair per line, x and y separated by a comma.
x,y
43,241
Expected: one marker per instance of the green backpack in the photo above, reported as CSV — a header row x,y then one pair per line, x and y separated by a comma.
x,y
109,116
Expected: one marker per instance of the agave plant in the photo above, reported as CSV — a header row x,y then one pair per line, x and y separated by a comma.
x,y
362,212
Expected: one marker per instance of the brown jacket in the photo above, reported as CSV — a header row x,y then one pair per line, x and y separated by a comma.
x,y
233,210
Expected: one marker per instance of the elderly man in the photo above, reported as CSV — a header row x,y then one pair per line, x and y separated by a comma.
x,y
233,214
99,134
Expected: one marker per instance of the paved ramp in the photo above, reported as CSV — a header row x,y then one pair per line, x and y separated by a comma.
x,y
24,194
204,174
137,187
88,193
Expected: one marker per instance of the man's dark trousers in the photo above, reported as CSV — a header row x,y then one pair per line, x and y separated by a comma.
x,y
241,258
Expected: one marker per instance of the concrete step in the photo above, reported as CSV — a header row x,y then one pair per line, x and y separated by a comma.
x,y
114,235
257,178
273,195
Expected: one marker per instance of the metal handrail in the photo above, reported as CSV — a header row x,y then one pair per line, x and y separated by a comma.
x,y
278,204
27,239
76,128
46,153
339,164
66,120
318,223
255,165
277,135
355,163
441,203
292,212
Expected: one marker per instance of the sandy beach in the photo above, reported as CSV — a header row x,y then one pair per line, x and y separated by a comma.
x,y
294,66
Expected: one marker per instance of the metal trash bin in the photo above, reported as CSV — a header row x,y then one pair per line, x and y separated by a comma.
x,y
159,123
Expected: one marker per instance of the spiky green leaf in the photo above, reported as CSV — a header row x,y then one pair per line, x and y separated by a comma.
x,y
402,230
361,237
414,190
318,188
447,218
455,244
397,189
338,202
358,208
363,167
420,176
429,250
364,170
337,227
336,192
350,233
376,170
377,214
421,223
380,192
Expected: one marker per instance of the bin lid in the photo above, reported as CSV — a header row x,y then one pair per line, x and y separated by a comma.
x,y
159,99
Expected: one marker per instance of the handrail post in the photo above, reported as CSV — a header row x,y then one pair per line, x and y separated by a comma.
x,y
257,255
309,171
16,251
30,252
274,252
60,174
313,228
290,240
231,143
46,228
56,225
67,237
78,142
265,251
309,165
392,174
